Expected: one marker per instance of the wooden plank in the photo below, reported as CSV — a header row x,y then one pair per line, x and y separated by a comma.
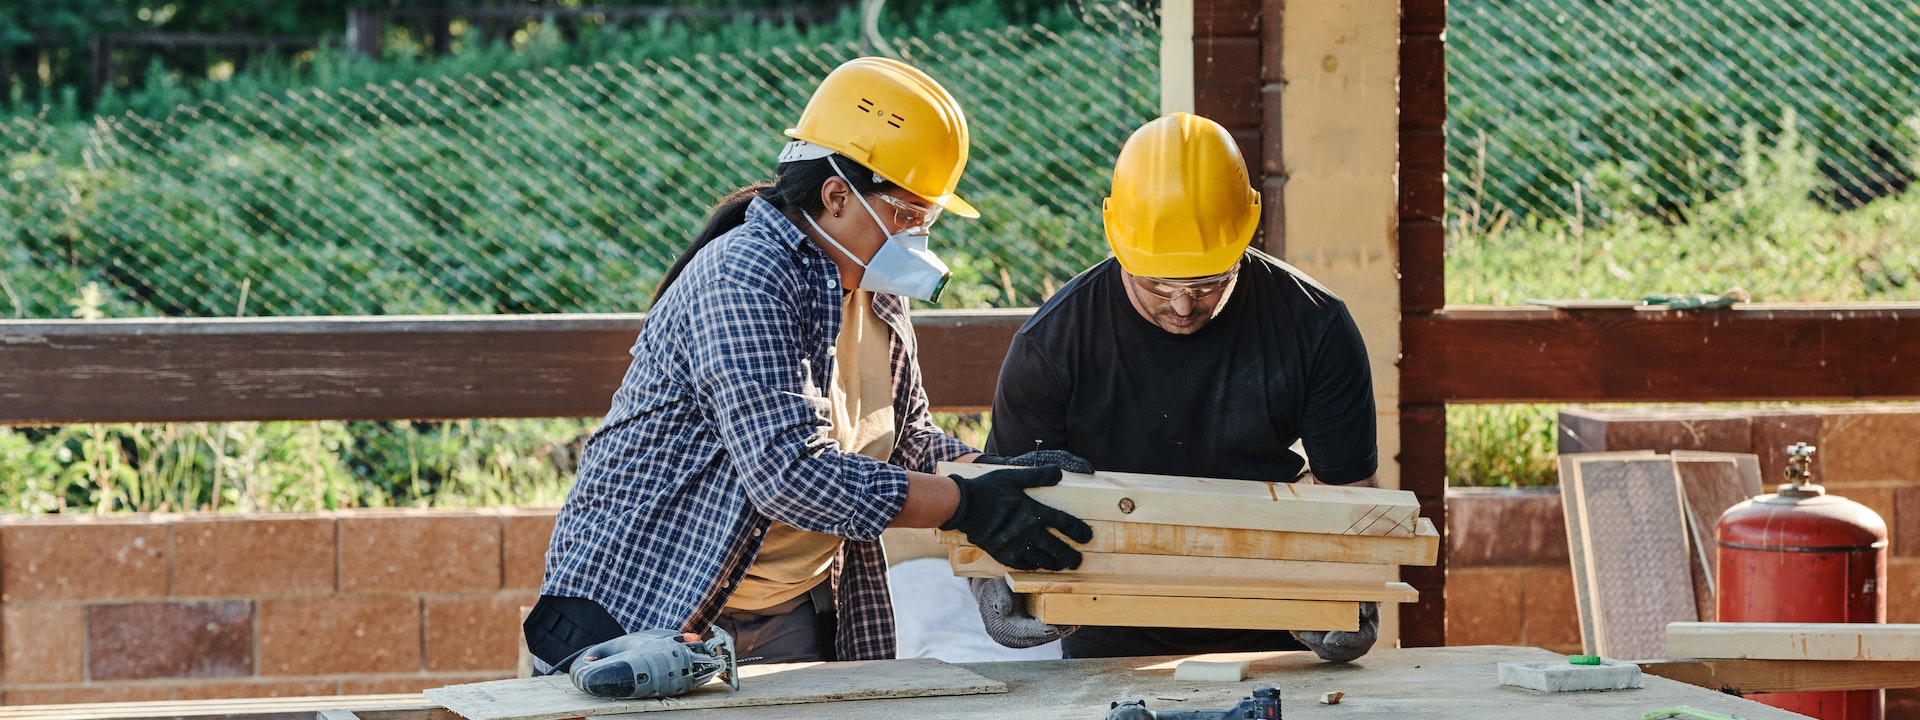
x,y
1709,484
1192,541
1190,586
1745,677
971,561
1632,535
1213,502
553,697
1795,641
224,708
1189,612
386,368
1797,351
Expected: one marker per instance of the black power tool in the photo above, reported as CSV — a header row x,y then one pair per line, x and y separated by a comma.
x,y
1263,704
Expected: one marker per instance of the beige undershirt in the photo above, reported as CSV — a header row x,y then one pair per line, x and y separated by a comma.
x,y
793,561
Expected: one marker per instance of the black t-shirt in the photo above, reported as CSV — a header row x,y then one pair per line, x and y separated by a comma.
x,y
1282,362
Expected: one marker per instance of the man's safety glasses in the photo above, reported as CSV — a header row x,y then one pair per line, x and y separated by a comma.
x,y
1199,288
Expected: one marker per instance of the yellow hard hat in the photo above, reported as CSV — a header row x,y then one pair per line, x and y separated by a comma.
x,y
892,118
1181,205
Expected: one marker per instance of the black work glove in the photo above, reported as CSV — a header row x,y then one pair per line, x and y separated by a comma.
x,y
1342,646
1062,459
996,514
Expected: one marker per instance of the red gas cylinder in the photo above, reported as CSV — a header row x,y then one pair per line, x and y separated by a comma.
x,y
1801,555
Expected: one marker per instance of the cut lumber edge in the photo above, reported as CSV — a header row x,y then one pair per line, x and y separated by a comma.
x,y
968,561
1214,502
1211,613
1068,584
1421,549
1848,642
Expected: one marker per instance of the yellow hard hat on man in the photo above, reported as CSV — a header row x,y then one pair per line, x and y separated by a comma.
x,y
893,119
1182,206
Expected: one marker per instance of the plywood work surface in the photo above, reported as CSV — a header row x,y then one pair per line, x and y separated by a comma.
x,y
553,697
1448,683
1422,548
1211,502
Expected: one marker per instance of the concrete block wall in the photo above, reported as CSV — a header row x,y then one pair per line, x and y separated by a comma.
x,y
183,607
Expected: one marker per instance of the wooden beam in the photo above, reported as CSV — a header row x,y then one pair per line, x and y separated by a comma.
x,y
1746,677
1795,641
969,561
1192,541
1807,351
1219,613
386,368
1169,586
1212,502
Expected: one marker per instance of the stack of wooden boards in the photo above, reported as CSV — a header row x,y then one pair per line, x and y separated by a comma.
x,y
1207,553
1640,536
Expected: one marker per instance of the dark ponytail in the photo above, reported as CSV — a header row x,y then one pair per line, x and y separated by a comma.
x,y
796,187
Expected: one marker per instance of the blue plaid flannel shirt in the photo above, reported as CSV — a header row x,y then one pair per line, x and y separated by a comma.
x,y
720,428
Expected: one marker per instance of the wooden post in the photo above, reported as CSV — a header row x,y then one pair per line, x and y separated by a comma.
x,y
1421,249
101,69
363,31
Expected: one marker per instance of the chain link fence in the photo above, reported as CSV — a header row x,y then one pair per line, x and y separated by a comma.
x,y
560,190
1564,109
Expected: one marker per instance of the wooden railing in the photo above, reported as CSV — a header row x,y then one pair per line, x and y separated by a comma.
x,y
385,368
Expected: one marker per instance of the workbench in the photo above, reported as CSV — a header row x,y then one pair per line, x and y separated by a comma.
x,y
1425,683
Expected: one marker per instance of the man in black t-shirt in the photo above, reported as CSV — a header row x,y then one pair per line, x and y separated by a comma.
x,y
1187,354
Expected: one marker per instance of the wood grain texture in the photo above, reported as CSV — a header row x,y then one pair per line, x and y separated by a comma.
x,y
1189,612
1795,641
1633,537
969,561
387,368
1801,351
1190,586
553,697
1192,541
1745,677
1212,502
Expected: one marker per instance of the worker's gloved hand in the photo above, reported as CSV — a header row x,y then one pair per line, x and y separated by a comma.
x,y
1007,622
1062,459
1342,646
996,514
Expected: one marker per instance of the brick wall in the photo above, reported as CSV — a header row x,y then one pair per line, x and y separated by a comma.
x,y
181,607
1509,580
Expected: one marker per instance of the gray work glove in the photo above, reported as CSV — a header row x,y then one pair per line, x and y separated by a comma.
x,y
1066,461
1007,622
1342,646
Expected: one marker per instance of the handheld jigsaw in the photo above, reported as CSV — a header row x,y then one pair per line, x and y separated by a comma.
x,y
655,664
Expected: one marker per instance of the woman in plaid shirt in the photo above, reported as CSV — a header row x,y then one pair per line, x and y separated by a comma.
x,y
773,422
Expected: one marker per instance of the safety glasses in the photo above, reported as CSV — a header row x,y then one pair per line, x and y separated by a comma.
x,y
1199,288
909,215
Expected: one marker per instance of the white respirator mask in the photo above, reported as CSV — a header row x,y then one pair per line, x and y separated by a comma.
x,y
903,266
